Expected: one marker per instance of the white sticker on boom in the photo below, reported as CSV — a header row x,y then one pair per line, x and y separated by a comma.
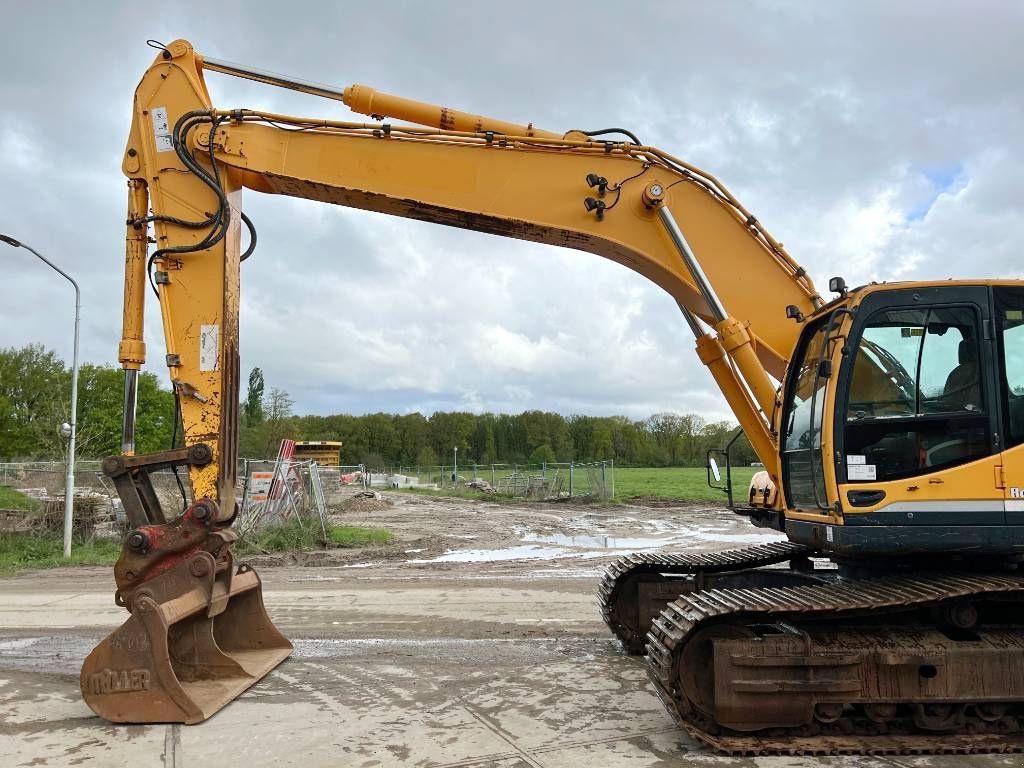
x,y
161,130
860,471
853,458
209,347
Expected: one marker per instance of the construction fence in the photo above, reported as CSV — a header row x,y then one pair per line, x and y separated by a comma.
x,y
282,491
593,479
286,488
98,510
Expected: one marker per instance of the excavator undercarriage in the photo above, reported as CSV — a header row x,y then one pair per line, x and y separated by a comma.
x,y
751,658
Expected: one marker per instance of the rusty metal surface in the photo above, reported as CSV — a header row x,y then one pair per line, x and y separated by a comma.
x,y
881,744
130,475
869,666
228,441
149,550
198,634
619,595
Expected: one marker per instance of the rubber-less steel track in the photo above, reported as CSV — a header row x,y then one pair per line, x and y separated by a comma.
x,y
612,596
827,602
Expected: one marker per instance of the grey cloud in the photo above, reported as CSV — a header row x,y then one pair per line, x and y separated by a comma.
x,y
826,120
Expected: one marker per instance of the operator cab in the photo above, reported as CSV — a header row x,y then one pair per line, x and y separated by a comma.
x,y
902,409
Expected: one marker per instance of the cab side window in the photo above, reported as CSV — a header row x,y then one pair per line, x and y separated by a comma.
x,y
1009,305
916,400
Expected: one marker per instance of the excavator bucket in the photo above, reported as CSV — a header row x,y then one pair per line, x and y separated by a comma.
x,y
198,636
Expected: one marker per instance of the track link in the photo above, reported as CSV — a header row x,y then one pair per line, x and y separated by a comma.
x,y
824,602
617,602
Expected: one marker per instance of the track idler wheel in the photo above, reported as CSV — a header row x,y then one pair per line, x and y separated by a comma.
x,y
636,605
696,671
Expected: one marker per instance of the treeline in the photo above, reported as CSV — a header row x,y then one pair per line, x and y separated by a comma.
x,y
388,440
383,439
34,401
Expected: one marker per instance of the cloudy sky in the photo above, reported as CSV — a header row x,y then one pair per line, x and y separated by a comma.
x,y
877,140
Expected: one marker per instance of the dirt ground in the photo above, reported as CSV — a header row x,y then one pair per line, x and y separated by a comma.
x,y
473,640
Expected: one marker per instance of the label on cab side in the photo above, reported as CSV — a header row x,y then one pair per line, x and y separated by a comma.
x,y
860,471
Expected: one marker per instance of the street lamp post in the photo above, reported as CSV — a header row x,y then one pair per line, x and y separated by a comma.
x,y
455,472
69,478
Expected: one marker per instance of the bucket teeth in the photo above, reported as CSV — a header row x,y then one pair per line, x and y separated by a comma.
x,y
196,639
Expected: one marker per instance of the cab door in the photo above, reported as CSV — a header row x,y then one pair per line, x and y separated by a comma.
x,y
803,420
917,428
1008,316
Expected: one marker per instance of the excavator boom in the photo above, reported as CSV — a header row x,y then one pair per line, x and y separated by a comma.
x,y
187,163
528,184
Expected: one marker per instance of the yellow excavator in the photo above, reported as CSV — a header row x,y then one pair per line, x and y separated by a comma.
x,y
891,619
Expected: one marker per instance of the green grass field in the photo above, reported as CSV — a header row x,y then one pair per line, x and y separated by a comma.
x,y
21,551
12,499
686,483
679,483
292,537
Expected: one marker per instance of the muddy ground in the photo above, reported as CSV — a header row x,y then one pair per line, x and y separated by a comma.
x,y
473,640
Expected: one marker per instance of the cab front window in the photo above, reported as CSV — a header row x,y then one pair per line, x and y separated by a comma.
x,y
916,401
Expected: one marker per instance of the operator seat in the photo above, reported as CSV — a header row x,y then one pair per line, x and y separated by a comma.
x,y
963,387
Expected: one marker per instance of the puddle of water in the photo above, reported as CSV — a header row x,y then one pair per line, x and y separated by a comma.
x,y
549,546
589,541
676,538
21,642
563,572
742,538
664,526
526,552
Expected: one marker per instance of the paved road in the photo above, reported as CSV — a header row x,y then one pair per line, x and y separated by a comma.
x,y
501,662
494,667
